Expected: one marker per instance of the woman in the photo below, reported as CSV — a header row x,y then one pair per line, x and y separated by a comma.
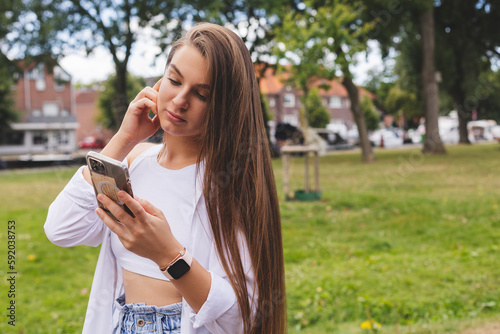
x,y
205,204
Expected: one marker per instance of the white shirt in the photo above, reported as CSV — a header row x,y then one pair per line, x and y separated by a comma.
x,y
171,190
72,221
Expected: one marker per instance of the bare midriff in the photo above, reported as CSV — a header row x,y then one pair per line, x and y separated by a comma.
x,y
152,291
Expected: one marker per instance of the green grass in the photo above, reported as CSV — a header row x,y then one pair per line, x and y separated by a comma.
x,y
410,240
52,283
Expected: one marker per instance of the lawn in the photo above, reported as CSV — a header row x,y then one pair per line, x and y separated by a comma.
x,y
411,241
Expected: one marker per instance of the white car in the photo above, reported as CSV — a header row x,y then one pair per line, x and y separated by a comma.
x,y
483,130
386,138
448,129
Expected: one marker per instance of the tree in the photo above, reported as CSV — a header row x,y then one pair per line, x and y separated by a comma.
x,y
409,28
106,98
9,12
432,142
51,27
323,38
380,83
404,103
371,116
316,113
7,112
488,95
255,22
466,45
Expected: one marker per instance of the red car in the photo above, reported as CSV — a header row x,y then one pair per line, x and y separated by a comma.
x,y
91,143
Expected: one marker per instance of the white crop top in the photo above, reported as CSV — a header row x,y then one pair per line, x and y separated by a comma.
x,y
171,191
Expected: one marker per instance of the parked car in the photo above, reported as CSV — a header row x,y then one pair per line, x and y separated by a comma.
x,y
482,130
495,131
91,142
448,129
338,132
286,133
386,138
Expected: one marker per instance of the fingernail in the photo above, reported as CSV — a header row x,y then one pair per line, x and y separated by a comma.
x,y
121,194
100,197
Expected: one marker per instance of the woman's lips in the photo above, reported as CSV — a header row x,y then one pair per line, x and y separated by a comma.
x,y
174,118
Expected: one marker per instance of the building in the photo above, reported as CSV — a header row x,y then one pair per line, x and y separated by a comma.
x,y
48,122
86,113
284,100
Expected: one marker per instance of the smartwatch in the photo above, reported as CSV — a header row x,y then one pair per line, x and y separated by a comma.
x,y
179,266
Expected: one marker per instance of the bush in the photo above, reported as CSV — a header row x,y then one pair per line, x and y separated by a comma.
x,y
317,116
372,118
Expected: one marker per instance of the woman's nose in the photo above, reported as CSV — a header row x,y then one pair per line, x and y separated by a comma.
x,y
180,100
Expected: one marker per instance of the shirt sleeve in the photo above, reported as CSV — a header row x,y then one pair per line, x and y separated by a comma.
x,y
71,219
220,313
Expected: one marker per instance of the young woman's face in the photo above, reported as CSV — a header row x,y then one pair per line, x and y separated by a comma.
x,y
183,93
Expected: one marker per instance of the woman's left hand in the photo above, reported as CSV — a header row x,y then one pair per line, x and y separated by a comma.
x,y
147,235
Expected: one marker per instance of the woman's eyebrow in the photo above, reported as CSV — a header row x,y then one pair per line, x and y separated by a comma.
x,y
180,74
177,70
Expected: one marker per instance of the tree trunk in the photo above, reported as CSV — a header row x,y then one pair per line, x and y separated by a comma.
x,y
120,103
459,97
359,118
432,143
463,119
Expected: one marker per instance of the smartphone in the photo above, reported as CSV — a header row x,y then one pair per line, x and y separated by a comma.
x,y
108,177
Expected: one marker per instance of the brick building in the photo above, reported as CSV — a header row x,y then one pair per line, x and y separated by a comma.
x,y
86,113
48,122
284,100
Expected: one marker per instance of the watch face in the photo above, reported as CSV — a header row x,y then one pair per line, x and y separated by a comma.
x,y
178,269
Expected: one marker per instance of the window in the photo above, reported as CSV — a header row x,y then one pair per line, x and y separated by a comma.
x,y
62,137
40,138
335,102
291,119
61,78
12,138
64,112
37,112
50,109
289,100
33,74
272,102
39,77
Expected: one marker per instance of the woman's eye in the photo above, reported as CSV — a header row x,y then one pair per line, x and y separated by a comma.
x,y
173,82
201,96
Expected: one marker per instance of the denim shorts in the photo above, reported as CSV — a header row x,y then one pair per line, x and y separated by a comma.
x,y
142,318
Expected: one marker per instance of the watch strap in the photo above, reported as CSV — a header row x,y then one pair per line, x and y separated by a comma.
x,y
184,256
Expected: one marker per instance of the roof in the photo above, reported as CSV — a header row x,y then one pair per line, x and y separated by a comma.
x,y
272,83
28,65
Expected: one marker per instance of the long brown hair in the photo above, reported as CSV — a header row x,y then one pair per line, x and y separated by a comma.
x,y
239,186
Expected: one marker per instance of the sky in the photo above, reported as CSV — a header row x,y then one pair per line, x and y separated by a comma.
x,y
99,65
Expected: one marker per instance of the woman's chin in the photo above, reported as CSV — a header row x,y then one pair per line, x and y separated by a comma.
x,y
179,132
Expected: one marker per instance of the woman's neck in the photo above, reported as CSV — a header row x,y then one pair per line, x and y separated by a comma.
x,y
178,152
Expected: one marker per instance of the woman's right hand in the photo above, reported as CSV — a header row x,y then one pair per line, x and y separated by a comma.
x,y
137,125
